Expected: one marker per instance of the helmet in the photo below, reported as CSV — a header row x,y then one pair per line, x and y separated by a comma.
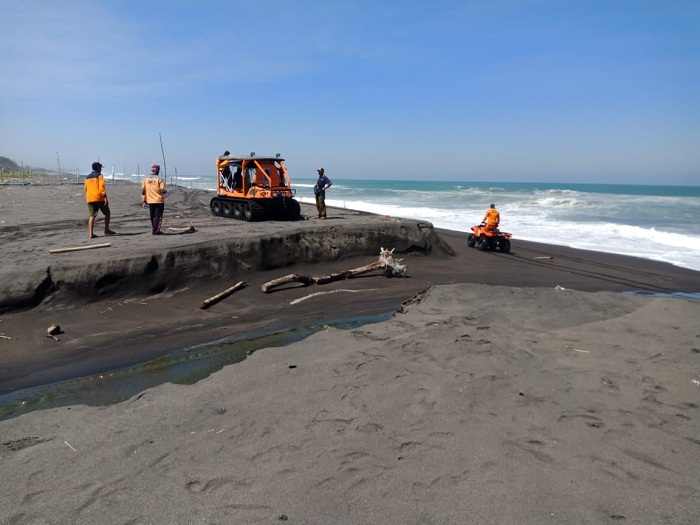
x,y
155,167
493,205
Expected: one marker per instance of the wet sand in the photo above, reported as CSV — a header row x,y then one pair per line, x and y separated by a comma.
x,y
489,397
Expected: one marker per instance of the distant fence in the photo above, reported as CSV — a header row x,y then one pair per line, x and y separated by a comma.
x,y
52,178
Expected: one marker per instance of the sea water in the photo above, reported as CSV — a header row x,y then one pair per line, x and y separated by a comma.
x,y
653,222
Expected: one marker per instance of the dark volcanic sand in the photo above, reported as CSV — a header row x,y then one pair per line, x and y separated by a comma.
x,y
490,397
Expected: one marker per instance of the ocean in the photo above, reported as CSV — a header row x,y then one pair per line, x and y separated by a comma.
x,y
653,222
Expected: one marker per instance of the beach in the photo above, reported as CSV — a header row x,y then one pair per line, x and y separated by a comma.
x,y
524,387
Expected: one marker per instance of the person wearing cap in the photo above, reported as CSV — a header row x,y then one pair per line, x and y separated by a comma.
x,y
492,218
322,184
152,191
96,197
220,163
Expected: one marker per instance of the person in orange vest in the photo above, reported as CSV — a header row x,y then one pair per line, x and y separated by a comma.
x,y
96,197
152,191
492,218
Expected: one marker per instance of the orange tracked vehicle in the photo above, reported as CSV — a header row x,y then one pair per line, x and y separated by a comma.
x,y
254,189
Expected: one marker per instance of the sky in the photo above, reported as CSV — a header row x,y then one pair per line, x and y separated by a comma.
x,y
505,90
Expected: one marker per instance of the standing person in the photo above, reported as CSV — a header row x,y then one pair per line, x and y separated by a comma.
x,y
221,163
96,197
492,218
152,191
322,184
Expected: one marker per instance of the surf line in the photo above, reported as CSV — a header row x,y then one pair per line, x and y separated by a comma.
x,y
297,301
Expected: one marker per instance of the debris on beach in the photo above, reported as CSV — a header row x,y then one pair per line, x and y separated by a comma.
x,y
188,229
53,330
223,295
391,267
79,248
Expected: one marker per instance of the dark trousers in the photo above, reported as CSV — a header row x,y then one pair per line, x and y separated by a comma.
x,y
156,211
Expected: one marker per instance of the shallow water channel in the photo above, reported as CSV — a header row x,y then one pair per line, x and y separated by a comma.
x,y
183,367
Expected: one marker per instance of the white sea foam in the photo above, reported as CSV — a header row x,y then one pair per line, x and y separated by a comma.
x,y
541,224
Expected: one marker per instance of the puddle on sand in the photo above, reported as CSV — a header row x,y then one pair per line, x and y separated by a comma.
x,y
681,295
185,367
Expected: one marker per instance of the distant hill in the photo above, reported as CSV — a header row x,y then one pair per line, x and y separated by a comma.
x,y
9,164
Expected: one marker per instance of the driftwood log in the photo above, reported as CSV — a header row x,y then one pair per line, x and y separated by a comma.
x,y
188,229
386,262
79,248
223,295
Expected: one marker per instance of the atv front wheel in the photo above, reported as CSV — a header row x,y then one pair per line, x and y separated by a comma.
x,y
484,243
471,240
505,246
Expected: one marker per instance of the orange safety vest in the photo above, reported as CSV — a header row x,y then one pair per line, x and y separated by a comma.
x,y
492,217
152,190
95,188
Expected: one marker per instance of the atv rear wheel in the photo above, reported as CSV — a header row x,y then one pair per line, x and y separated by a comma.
x,y
471,240
505,246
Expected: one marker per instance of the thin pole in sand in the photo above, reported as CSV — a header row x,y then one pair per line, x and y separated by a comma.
x,y
165,169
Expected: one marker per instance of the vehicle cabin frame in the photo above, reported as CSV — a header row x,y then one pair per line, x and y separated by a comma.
x,y
254,188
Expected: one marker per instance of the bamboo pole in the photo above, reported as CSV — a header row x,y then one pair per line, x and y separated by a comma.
x,y
79,248
223,295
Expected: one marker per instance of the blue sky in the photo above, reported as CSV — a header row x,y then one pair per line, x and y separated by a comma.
x,y
503,90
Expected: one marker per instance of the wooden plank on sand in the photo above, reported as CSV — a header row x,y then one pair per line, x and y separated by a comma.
x,y
79,248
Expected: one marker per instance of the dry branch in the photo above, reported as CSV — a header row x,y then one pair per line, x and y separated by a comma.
x,y
223,295
79,248
386,262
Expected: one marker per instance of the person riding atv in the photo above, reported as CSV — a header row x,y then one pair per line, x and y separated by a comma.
x,y
492,218
486,236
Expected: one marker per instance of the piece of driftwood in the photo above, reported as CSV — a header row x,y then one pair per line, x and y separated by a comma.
x,y
79,248
188,229
386,262
223,295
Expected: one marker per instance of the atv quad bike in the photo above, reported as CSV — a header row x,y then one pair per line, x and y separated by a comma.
x,y
254,189
486,239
